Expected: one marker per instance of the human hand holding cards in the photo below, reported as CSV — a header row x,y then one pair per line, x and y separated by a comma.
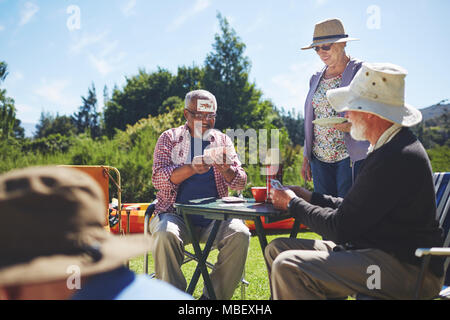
x,y
217,155
275,184
280,195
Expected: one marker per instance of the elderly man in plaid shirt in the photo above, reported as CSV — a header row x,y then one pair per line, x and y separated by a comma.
x,y
182,172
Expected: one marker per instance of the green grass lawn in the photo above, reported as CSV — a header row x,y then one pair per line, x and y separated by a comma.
x,y
255,268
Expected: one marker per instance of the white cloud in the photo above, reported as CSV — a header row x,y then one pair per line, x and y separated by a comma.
x,y
29,10
85,41
259,22
128,8
2,28
25,112
54,92
102,53
100,64
321,2
24,108
199,6
289,89
14,77
108,59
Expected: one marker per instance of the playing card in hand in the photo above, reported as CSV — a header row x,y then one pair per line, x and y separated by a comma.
x,y
218,155
277,185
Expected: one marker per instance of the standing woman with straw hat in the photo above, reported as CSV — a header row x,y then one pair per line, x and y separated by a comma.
x,y
331,156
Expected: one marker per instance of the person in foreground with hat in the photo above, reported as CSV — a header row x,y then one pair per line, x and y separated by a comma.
x,y
388,213
54,246
331,156
193,162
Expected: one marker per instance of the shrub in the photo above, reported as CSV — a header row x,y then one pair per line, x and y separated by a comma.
x,y
440,158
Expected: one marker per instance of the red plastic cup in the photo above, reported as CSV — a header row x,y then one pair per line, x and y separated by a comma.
x,y
259,193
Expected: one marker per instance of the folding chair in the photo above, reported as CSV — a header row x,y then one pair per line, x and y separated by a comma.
x,y
103,175
442,187
188,255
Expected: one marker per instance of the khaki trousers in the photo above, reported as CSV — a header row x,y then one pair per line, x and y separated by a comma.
x,y
310,269
170,235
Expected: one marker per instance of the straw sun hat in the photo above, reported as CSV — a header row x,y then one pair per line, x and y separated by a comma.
x,y
52,219
377,88
329,31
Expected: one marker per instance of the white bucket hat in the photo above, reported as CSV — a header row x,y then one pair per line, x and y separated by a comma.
x,y
329,31
378,88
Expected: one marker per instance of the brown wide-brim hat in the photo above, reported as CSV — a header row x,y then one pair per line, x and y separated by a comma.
x,y
329,31
52,228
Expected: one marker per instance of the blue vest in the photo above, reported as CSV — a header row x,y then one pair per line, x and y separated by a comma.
x,y
198,186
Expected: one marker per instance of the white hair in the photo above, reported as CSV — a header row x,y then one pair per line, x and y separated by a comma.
x,y
199,94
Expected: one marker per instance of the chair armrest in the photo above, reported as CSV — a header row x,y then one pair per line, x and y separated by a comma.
x,y
148,215
151,208
426,254
432,251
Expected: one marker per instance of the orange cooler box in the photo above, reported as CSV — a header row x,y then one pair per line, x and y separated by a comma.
x,y
137,217
282,225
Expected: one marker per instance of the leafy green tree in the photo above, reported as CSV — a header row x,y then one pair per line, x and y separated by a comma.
x,y
226,76
294,124
434,132
144,94
9,124
170,104
3,70
51,144
87,118
50,124
440,158
187,79
7,115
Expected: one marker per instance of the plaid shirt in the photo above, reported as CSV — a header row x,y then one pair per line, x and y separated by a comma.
x,y
172,151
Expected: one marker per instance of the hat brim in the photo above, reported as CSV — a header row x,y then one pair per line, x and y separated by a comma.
x,y
342,100
318,43
115,251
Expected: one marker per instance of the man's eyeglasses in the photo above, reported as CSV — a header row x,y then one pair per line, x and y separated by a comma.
x,y
325,47
201,116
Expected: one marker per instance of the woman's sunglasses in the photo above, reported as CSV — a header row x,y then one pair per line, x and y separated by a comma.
x,y
326,47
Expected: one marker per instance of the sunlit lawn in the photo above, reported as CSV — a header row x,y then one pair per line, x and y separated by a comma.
x,y
255,269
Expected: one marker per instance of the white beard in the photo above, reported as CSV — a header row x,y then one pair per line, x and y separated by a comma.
x,y
358,131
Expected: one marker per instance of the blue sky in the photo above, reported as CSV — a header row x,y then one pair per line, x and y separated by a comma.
x,y
54,53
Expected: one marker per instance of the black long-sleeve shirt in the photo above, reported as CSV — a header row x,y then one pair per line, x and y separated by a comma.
x,y
391,206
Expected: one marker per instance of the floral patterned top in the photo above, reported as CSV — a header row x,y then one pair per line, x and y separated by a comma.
x,y
328,143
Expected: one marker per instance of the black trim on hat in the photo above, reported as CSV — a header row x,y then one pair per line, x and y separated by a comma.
x,y
93,251
331,37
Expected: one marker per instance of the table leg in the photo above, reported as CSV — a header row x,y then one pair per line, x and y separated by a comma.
x,y
202,257
263,242
295,228
261,233
128,232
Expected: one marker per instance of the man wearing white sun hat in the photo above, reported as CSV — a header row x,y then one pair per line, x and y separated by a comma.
x,y
388,213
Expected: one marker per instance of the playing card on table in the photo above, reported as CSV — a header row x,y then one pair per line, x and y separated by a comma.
x,y
233,200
